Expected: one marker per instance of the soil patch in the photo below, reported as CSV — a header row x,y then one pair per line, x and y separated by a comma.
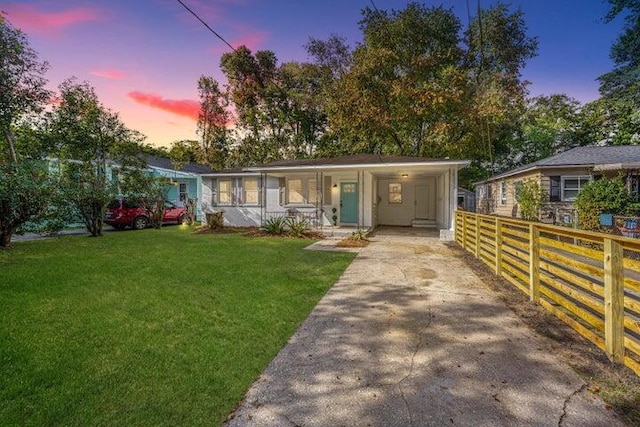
x,y
618,386
255,232
352,243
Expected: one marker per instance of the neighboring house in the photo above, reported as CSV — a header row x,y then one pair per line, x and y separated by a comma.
x,y
361,191
466,200
561,177
185,181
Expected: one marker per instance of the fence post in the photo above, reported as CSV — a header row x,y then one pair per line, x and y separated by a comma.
x,y
498,247
477,236
534,263
613,300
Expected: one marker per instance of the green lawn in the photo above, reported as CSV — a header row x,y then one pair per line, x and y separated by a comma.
x,y
152,327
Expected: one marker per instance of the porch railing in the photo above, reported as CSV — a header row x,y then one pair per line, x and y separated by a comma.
x,y
313,218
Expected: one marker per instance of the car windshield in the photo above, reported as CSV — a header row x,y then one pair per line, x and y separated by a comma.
x,y
113,204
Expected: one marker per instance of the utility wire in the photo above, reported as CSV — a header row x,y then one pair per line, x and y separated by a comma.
x,y
374,5
207,25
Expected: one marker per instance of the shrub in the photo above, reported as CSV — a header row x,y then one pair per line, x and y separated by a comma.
x,y
530,198
359,235
215,220
298,227
275,225
601,196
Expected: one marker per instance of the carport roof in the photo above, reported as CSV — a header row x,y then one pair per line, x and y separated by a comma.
x,y
362,160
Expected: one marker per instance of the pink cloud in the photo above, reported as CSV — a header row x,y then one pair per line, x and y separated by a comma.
x,y
184,107
109,74
252,40
31,20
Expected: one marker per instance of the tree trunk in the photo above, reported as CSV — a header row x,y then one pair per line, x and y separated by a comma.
x,y
12,149
5,238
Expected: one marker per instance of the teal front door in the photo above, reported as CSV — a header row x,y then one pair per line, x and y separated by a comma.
x,y
348,202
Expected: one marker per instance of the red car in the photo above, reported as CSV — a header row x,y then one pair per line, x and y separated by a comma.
x,y
125,212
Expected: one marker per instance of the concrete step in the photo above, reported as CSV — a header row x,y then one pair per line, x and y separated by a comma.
x,y
425,223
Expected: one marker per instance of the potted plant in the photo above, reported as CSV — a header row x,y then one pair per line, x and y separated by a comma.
x,y
334,217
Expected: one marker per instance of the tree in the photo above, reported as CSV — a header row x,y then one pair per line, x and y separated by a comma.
x,y
25,190
279,111
24,185
92,138
624,80
414,87
403,84
619,106
22,84
148,190
251,88
182,152
549,125
609,121
212,124
497,49
334,54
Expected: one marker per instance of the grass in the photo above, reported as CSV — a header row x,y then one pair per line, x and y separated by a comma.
x,y
152,327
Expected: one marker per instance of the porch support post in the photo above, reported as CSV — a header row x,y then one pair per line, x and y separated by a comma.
x,y
263,201
319,198
453,196
360,197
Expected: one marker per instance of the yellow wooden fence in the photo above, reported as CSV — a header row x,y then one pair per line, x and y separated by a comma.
x,y
589,280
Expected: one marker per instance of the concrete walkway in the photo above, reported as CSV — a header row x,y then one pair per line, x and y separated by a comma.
x,y
409,336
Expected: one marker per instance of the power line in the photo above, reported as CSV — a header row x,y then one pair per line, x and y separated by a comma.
x,y
374,5
207,25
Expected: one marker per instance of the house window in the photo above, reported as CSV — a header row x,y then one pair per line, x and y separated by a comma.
x,y
294,191
571,186
554,188
633,182
517,190
183,191
224,192
395,193
312,191
302,191
251,193
503,193
489,191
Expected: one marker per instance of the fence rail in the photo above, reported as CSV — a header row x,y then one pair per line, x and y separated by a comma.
x,y
591,281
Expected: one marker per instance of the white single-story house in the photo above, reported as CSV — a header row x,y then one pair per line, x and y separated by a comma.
x,y
363,191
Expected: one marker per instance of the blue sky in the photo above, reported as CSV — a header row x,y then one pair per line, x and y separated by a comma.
x,y
144,56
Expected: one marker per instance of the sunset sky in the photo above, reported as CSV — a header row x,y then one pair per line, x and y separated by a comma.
x,y
144,57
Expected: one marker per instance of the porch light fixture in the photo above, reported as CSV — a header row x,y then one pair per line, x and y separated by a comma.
x,y
404,175
335,185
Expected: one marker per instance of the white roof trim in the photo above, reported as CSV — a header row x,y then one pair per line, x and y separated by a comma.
x,y
414,165
617,166
171,171
230,174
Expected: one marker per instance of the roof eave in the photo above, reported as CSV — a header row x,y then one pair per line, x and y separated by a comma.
x,y
294,168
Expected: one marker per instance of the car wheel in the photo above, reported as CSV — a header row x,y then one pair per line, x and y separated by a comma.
x,y
181,219
140,222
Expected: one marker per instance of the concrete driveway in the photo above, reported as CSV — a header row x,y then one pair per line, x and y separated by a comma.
x,y
409,336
